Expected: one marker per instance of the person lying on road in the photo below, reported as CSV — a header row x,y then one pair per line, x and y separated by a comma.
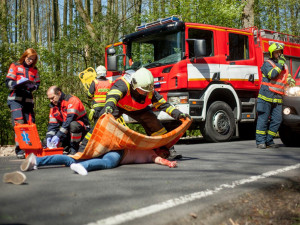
x,y
107,161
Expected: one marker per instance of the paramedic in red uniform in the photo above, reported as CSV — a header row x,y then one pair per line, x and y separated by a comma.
x,y
97,92
132,95
22,79
68,122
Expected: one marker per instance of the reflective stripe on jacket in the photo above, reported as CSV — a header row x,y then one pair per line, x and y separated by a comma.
x,y
277,85
15,72
101,89
129,104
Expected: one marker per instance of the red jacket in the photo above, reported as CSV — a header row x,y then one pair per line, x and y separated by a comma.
x,y
15,73
69,109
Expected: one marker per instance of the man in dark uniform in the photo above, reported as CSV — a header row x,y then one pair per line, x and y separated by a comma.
x,y
269,103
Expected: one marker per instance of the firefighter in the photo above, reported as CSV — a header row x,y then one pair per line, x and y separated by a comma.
x,y
68,122
22,79
97,92
132,95
269,103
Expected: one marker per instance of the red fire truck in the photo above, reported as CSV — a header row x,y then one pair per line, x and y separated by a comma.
x,y
211,72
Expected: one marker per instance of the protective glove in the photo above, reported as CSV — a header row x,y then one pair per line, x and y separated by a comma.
x,y
49,142
281,60
184,116
91,114
292,82
22,80
54,141
109,109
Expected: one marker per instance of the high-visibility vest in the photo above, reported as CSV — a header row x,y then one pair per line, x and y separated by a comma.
x,y
129,104
277,85
101,89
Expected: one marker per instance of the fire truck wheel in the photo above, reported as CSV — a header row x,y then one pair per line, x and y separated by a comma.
x,y
289,137
219,125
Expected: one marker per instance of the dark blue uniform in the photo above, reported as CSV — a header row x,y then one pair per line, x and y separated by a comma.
x,y
269,105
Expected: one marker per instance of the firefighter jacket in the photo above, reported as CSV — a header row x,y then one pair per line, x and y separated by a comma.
x,y
69,109
17,92
122,95
273,81
97,92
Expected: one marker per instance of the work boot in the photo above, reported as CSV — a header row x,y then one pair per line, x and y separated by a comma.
x,y
16,177
174,154
19,153
273,145
29,163
72,151
261,146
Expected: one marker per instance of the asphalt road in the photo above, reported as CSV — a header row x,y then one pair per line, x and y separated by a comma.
x,y
145,193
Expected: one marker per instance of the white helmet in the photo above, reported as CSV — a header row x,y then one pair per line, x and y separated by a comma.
x,y
101,71
143,79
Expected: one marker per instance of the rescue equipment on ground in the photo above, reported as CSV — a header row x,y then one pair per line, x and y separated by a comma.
x,y
28,138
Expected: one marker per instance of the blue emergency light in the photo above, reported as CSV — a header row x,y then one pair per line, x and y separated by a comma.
x,y
157,23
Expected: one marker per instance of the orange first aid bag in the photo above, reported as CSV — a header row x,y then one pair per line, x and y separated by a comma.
x,y
28,138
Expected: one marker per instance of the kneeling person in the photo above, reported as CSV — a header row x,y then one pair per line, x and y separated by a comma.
x,y
68,122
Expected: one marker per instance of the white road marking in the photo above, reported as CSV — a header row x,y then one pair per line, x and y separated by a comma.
x,y
128,216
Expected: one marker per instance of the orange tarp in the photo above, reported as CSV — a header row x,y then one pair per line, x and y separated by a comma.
x,y
108,134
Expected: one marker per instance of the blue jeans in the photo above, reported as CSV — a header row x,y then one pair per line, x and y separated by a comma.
x,y
107,161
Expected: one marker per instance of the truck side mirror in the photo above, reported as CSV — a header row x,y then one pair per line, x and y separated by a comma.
x,y
199,47
111,50
112,63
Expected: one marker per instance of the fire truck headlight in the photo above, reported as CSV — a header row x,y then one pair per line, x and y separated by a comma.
x,y
174,100
178,100
293,91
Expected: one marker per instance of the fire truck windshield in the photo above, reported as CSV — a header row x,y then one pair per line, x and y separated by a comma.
x,y
154,50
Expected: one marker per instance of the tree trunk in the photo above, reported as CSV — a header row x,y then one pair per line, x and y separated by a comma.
x,y
16,21
65,23
25,19
88,8
71,30
20,26
55,19
3,22
86,19
32,24
248,14
49,26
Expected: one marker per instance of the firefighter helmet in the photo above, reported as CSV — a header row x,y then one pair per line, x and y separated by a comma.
x,y
101,71
275,47
143,80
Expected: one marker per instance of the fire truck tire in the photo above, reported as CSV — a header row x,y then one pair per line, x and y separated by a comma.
x,y
289,137
219,124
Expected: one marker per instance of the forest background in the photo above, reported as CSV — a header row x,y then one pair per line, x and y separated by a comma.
x,y
71,35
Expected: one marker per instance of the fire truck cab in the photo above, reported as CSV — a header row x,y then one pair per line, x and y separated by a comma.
x,y
210,72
